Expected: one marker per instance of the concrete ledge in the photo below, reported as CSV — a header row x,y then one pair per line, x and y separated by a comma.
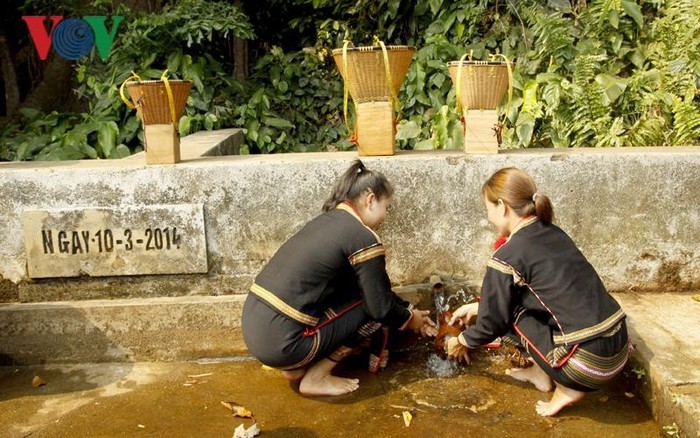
x,y
620,206
138,329
664,329
203,144
153,329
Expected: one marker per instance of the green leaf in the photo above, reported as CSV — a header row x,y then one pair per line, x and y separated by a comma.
x,y
562,6
30,113
174,61
435,6
407,130
393,7
530,96
209,122
70,152
612,86
107,138
129,129
184,126
459,29
121,151
632,9
637,57
88,150
277,122
614,18
424,145
524,127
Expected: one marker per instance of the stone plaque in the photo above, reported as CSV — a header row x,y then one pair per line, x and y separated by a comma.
x,y
134,240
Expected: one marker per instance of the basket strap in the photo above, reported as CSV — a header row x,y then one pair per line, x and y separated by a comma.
x,y
133,77
510,82
171,100
346,90
390,82
460,110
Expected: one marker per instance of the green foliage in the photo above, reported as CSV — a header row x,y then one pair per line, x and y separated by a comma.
x,y
48,137
190,38
595,73
296,104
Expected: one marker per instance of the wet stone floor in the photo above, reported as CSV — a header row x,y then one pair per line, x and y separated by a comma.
x,y
184,399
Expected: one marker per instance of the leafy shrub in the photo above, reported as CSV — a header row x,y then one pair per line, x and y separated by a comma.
x,y
189,38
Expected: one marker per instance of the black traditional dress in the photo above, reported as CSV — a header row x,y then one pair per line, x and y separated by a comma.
x,y
541,293
324,291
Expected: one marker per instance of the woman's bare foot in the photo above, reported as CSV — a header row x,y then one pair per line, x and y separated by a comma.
x,y
534,375
319,381
293,375
562,397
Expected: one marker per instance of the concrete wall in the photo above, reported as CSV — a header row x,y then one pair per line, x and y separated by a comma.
x,y
633,212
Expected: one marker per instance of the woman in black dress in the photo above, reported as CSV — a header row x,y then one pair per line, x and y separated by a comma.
x,y
541,294
326,289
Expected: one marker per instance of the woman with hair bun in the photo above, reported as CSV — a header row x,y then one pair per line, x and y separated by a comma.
x,y
542,295
326,290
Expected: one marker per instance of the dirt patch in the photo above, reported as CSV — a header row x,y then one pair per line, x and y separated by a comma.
x,y
9,292
669,275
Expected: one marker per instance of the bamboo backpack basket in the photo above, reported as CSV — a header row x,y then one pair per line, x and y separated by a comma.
x,y
373,75
158,102
481,85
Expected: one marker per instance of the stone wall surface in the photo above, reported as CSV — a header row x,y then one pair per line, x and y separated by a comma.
x,y
633,212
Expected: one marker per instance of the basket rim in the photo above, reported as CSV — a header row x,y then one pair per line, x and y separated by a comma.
x,y
479,63
375,48
157,81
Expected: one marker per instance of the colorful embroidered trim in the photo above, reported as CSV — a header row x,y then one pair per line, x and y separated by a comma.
x,y
283,307
370,252
590,331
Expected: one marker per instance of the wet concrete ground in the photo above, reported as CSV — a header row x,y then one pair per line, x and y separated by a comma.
x,y
162,399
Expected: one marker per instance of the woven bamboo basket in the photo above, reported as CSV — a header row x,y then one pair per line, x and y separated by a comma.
x,y
152,102
483,83
366,77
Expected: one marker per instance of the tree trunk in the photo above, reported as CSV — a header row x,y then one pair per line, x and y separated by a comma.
x,y
9,76
240,54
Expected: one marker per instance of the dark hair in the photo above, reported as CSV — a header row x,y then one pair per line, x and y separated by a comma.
x,y
356,181
517,189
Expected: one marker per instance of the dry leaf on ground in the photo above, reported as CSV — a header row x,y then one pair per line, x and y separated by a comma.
x,y
407,417
197,376
38,381
242,432
238,410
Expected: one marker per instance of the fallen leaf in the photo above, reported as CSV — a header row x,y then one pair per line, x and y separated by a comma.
x,y
603,399
406,408
238,410
629,395
141,426
191,382
196,376
407,417
38,381
696,298
242,432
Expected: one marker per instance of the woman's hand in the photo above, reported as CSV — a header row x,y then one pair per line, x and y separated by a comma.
x,y
457,351
421,323
465,315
